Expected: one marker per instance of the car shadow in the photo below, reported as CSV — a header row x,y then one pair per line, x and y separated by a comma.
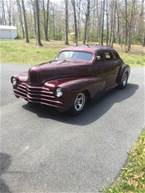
x,y
93,111
5,162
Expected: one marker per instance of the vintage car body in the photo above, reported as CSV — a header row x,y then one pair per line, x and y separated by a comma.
x,y
66,82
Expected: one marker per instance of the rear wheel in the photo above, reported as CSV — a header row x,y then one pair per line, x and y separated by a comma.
x,y
124,80
79,103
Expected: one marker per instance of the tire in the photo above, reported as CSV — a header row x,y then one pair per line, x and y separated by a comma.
x,y
124,80
79,103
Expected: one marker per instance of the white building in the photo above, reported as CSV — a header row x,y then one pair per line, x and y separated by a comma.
x,y
8,32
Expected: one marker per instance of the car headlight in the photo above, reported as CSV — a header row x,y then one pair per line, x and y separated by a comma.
x,y
14,81
59,92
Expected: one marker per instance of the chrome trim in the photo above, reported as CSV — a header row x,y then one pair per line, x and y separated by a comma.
x,y
37,94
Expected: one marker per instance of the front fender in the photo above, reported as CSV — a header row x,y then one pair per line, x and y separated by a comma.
x,y
72,86
90,84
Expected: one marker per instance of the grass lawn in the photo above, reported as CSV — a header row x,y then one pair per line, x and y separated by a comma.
x,y
132,178
19,52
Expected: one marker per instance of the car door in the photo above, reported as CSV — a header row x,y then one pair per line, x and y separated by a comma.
x,y
117,62
106,67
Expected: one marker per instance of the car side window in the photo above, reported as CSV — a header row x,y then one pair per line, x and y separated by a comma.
x,y
108,55
99,56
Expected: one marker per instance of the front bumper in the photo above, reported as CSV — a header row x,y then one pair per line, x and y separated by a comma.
x,y
38,94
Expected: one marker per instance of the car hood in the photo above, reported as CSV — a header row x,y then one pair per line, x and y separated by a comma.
x,y
58,69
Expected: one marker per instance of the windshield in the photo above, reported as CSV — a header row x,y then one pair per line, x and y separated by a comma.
x,y
79,55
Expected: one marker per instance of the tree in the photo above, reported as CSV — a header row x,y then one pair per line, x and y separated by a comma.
x,y
78,10
130,25
107,24
46,18
37,21
66,22
141,21
126,21
75,21
102,24
20,17
25,22
86,22
3,19
103,21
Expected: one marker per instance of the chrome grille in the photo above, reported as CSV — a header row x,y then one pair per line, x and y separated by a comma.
x,y
37,94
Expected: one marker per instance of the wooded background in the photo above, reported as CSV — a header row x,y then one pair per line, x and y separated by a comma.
x,y
102,21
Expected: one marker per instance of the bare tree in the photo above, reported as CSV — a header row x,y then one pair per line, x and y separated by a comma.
x,y
86,22
46,18
25,22
130,25
9,12
34,16
118,23
3,13
141,26
20,17
38,38
66,22
126,21
102,23
78,10
75,21
107,24
95,20
53,23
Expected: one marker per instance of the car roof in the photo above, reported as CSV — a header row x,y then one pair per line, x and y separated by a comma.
x,y
87,48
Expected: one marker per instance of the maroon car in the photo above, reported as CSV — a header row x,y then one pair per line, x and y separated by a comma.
x,y
77,74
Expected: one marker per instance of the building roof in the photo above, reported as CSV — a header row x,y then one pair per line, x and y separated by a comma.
x,y
7,27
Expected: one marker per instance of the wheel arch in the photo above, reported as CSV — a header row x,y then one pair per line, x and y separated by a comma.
x,y
125,69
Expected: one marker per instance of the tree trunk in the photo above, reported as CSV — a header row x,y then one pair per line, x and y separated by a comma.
x,y
79,18
107,29
38,38
118,25
34,16
21,18
66,22
126,22
53,25
143,41
86,22
102,23
45,18
25,22
9,12
130,25
3,13
75,21
113,23
141,26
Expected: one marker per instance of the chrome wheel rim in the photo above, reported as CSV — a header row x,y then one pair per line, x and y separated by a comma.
x,y
124,81
79,102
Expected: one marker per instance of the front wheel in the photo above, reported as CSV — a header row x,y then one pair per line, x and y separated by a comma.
x,y
79,103
124,80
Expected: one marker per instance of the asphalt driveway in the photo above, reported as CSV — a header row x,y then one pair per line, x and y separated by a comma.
x,y
42,151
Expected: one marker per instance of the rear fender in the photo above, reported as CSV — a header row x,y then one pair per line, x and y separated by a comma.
x,y
125,68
